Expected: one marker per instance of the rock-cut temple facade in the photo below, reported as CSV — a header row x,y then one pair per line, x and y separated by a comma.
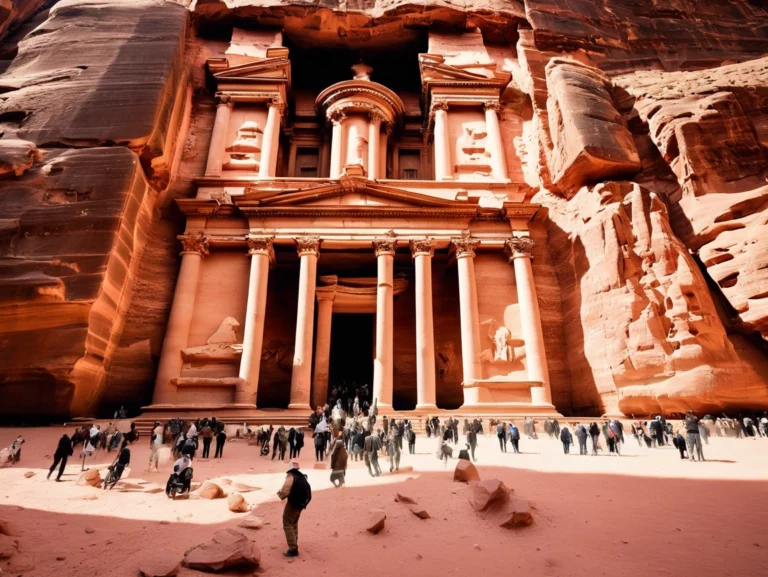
x,y
236,207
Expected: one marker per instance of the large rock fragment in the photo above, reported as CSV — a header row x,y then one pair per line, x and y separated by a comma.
x,y
486,494
209,490
375,521
89,478
465,472
517,513
589,137
159,567
227,549
237,503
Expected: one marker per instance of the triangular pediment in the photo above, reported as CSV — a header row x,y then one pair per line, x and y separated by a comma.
x,y
267,69
434,69
349,192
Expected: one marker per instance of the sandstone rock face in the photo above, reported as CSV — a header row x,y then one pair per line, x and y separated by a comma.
x,y
75,226
228,548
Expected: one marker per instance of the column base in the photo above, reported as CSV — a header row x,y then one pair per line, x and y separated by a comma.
x,y
300,406
426,407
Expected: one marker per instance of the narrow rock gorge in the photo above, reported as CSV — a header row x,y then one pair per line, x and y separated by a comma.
x,y
641,129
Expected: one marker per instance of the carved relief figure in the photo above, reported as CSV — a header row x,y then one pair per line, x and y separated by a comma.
x,y
472,154
245,152
357,149
502,339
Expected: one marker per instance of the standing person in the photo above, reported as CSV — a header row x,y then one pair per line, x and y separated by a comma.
x,y
594,433
291,442
411,436
276,442
618,435
566,439
472,442
319,444
339,459
358,440
283,439
221,438
393,450
371,447
207,433
155,444
501,434
297,494
679,442
514,437
692,437
581,435
63,452
299,443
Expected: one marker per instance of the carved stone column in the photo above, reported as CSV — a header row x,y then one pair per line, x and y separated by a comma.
x,y
374,139
337,118
308,248
519,251
383,364
322,349
498,162
271,141
470,324
422,251
262,254
224,104
180,319
441,144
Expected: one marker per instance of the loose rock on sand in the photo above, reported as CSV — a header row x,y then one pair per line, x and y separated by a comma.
x,y
228,548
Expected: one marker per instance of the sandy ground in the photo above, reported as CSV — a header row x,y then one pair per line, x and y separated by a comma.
x,y
644,513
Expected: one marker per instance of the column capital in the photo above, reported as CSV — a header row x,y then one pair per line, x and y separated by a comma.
x,y
325,296
307,245
518,247
261,245
275,102
336,115
224,100
423,247
439,105
376,117
386,245
194,244
494,105
465,246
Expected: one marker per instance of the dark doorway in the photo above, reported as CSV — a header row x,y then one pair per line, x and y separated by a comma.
x,y
351,366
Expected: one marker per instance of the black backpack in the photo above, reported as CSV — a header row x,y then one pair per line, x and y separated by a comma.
x,y
301,492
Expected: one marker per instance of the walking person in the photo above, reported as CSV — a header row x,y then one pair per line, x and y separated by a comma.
x,y
514,437
371,447
411,436
692,437
618,435
502,436
221,438
679,442
472,442
581,435
207,434
155,444
566,439
594,433
297,494
63,452
339,459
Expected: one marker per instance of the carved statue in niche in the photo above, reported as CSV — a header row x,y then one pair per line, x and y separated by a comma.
x,y
472,154
503,349
221,347
357,148
245,152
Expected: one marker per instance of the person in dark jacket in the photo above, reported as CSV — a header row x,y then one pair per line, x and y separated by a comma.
x,y
294,480
276,442
501,433
207,434
594,434
472,442
221,438
63,452
581,435
679,442
566,439
339,459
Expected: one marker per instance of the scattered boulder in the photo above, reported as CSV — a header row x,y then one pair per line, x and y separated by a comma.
x,y
228,548
90,530
376,518
29,474
400,498
237,503
8,546
159,567
487,493
89,478
252,522
516,514
209,490
419,511
465,472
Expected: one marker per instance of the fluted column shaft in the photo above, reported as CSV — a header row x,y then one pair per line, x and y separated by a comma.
x,y
322,349
426,396
180,319
498,162
308,250
219,136
336,141
519,250
261,253
374,140
441,144
470,325
270,143
383,364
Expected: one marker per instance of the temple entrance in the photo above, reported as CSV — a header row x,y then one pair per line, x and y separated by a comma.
x,y
351,363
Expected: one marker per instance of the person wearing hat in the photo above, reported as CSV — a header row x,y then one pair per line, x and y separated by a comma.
x,y
297,494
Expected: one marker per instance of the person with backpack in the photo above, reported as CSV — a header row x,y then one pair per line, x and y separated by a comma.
x,y
514,437
297,494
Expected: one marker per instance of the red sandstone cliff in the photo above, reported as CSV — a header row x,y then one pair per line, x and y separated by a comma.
x,y
641,127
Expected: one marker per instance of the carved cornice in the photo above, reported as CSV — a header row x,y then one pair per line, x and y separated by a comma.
x,y
519,247
386,245
261,245
423,247
347,106
465,246
307,245
194,243
494,105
